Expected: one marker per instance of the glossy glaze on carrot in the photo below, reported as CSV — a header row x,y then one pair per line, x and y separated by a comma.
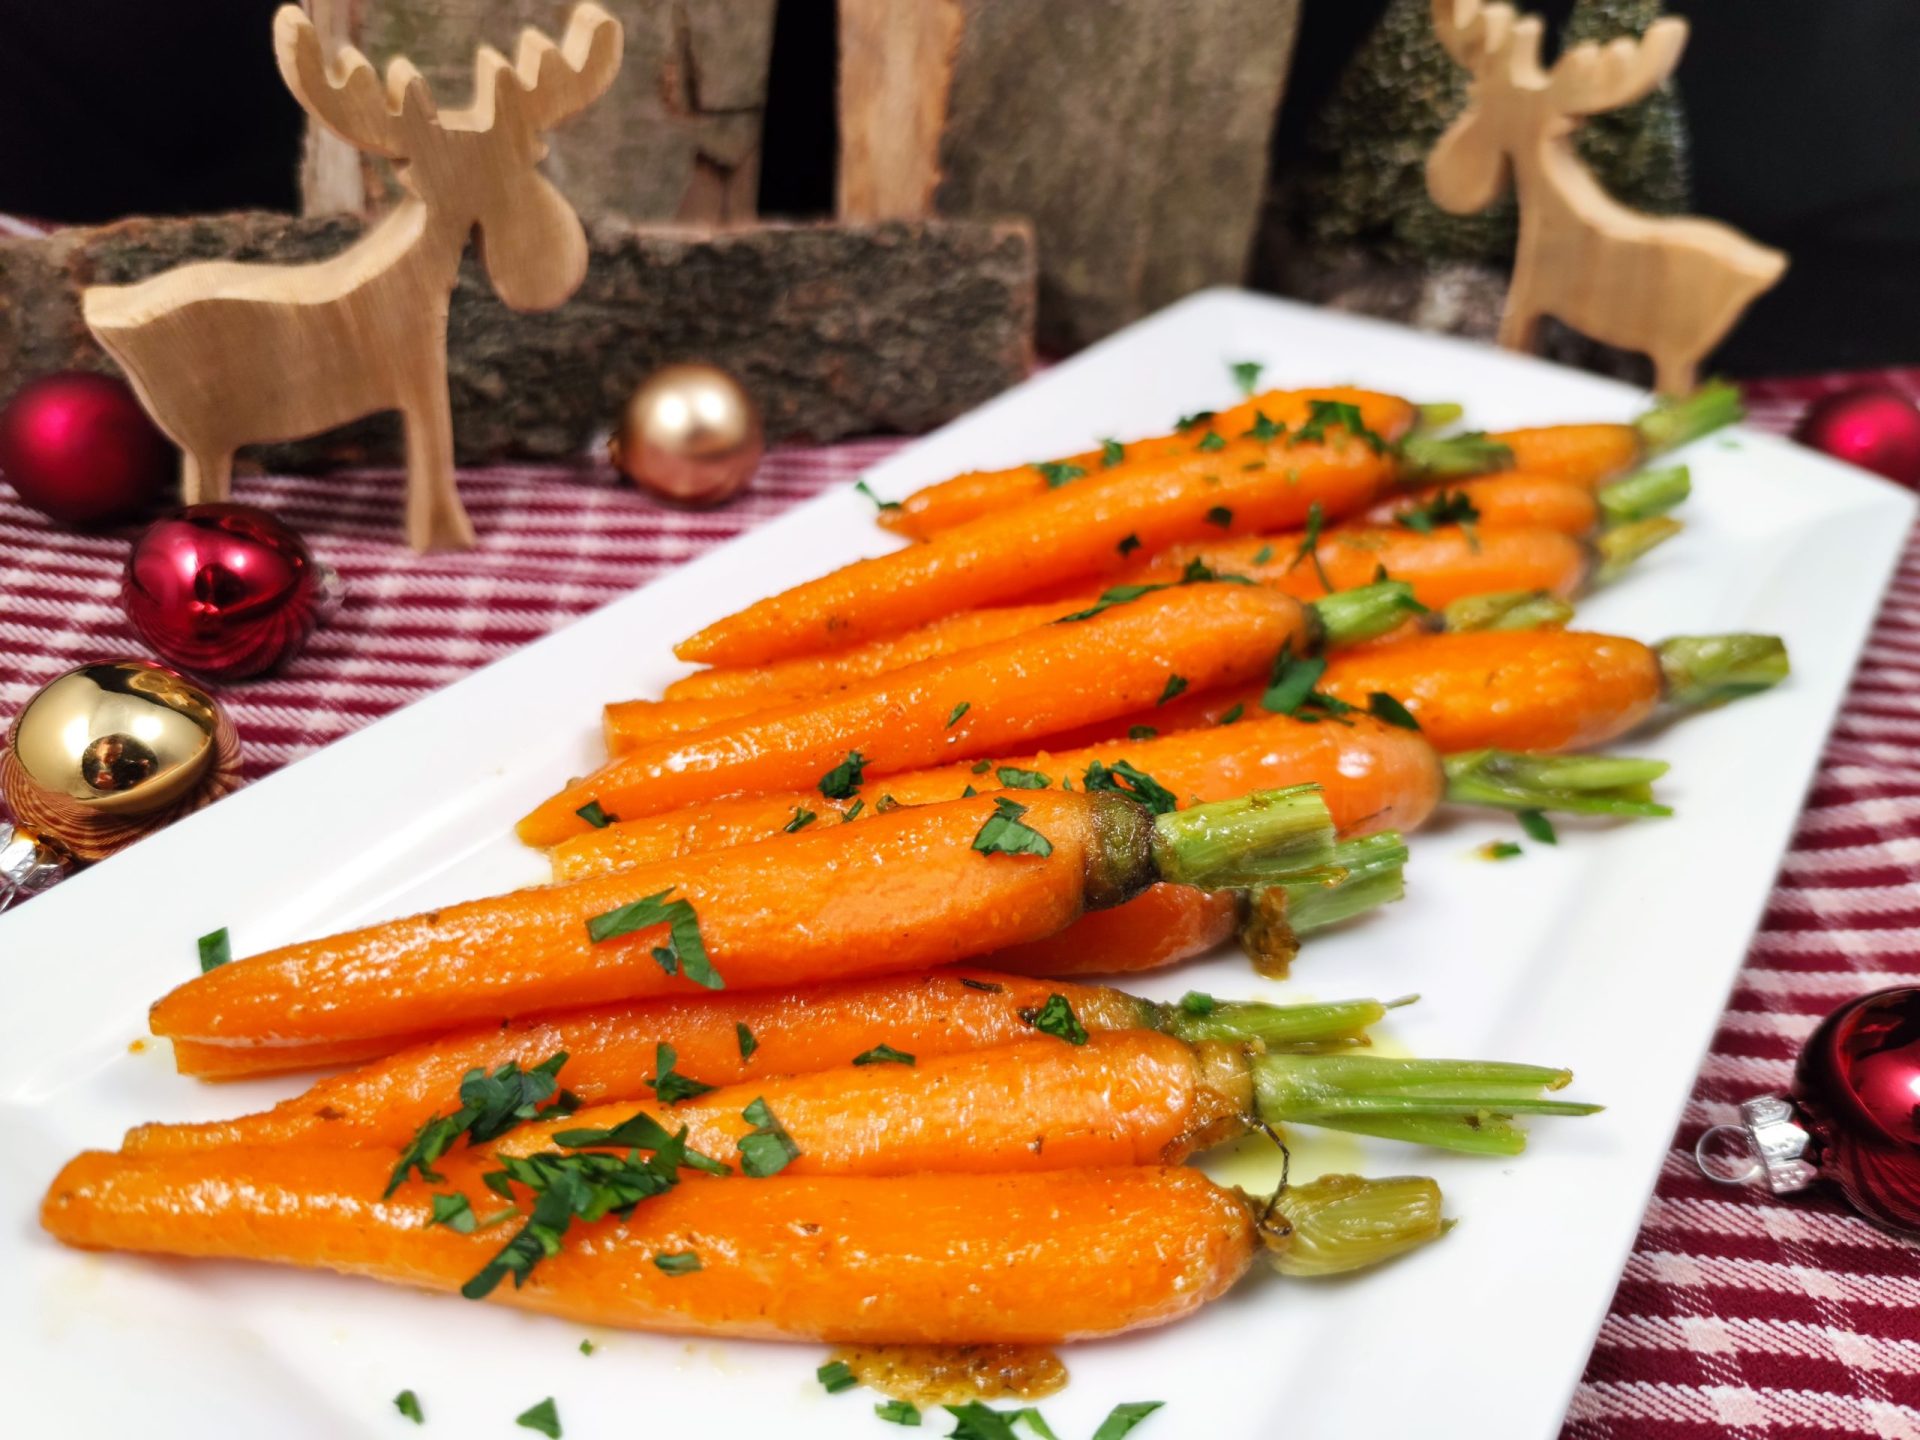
x,y
1516,498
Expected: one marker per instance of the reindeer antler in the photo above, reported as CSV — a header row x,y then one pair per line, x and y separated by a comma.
x,y
347,96
1591,78
557,81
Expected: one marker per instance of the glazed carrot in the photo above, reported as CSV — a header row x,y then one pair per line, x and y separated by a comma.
x,y
934,508
1373,776
1522,498
936,1259
1055,678
920,887
1593,453
245,1062
836,669
1064,536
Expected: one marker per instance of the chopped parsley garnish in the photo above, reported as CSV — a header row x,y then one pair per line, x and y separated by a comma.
x,y
1290,689
900,1412
1198,572
1383,706
1057,473
1187,422
216,949
1220,515
768,1149
953,719
883,1055
1056,1018
681,1262
1014,778
1211,441
976,1421
1262,555
587,1347
835,1376
802,817
1175,685
1006,834
1310,546
1122,1418
745,1036
852,812
980,767
684,953
968,793
861,486
1246,374
1123,779
1128,544
669,1084
1263,428
1112,452
841,782
1233,714
408,1404
542,1417
1197,1002
1500,850
1538,827
595,816
1322,413
1141,732
1449,507
490,1106
455,1212
986,985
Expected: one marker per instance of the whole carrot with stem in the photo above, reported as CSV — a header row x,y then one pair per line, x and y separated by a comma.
x,y
1068,534
1100,663
934,1259
1593,453
917,888
611,1049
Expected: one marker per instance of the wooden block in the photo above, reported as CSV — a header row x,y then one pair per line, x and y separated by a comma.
x,y
1133,132
677,137
835,329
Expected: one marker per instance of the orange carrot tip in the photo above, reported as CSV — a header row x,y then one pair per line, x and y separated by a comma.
x,y
1700,671
1676,422
1570,784
1643,495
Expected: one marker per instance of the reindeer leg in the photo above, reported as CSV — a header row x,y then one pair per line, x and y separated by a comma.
x,y
1675,375
1519,326
205,477
436,520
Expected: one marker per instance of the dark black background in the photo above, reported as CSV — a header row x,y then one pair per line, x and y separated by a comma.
x,y
1805,121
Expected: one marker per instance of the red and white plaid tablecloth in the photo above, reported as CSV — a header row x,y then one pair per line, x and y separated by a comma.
x,y
1737,1314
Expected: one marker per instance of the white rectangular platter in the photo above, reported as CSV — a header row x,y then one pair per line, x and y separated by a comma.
x,y
1612,954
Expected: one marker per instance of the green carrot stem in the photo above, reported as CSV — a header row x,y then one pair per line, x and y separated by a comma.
x,y
1344,1222
1300,1029
1617,548
1505,610
1570,784
1359,876
1253,840
1438,416
1346,617
1676,420
1705,670
1644,495
1426,457
1464,1105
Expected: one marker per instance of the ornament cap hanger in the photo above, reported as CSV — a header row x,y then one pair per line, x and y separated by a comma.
x,y
1776,1146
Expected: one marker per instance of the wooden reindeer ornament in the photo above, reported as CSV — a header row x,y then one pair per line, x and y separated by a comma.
x,y
225,354
1670,288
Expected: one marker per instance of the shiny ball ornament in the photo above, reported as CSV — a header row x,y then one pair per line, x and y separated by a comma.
x,y
225,591
109,751
1851,1118
1875,427
79,448
689,435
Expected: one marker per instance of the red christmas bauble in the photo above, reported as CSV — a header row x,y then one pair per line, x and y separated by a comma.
x,y
1857,1088
79,448
225,591
1875,427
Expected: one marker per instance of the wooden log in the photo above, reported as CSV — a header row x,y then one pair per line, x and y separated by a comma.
x,y
835,329
676,138
1134,132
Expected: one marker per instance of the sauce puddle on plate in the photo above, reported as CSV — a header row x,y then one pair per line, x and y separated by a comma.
x,y
954,1374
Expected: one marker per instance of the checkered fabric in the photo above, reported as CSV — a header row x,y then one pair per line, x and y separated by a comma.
x,y
1737,1314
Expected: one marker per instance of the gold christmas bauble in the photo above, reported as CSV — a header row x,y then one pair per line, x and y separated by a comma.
x,y
120,738
690,435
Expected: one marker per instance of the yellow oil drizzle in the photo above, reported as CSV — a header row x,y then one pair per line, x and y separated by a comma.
x,y
952,1374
